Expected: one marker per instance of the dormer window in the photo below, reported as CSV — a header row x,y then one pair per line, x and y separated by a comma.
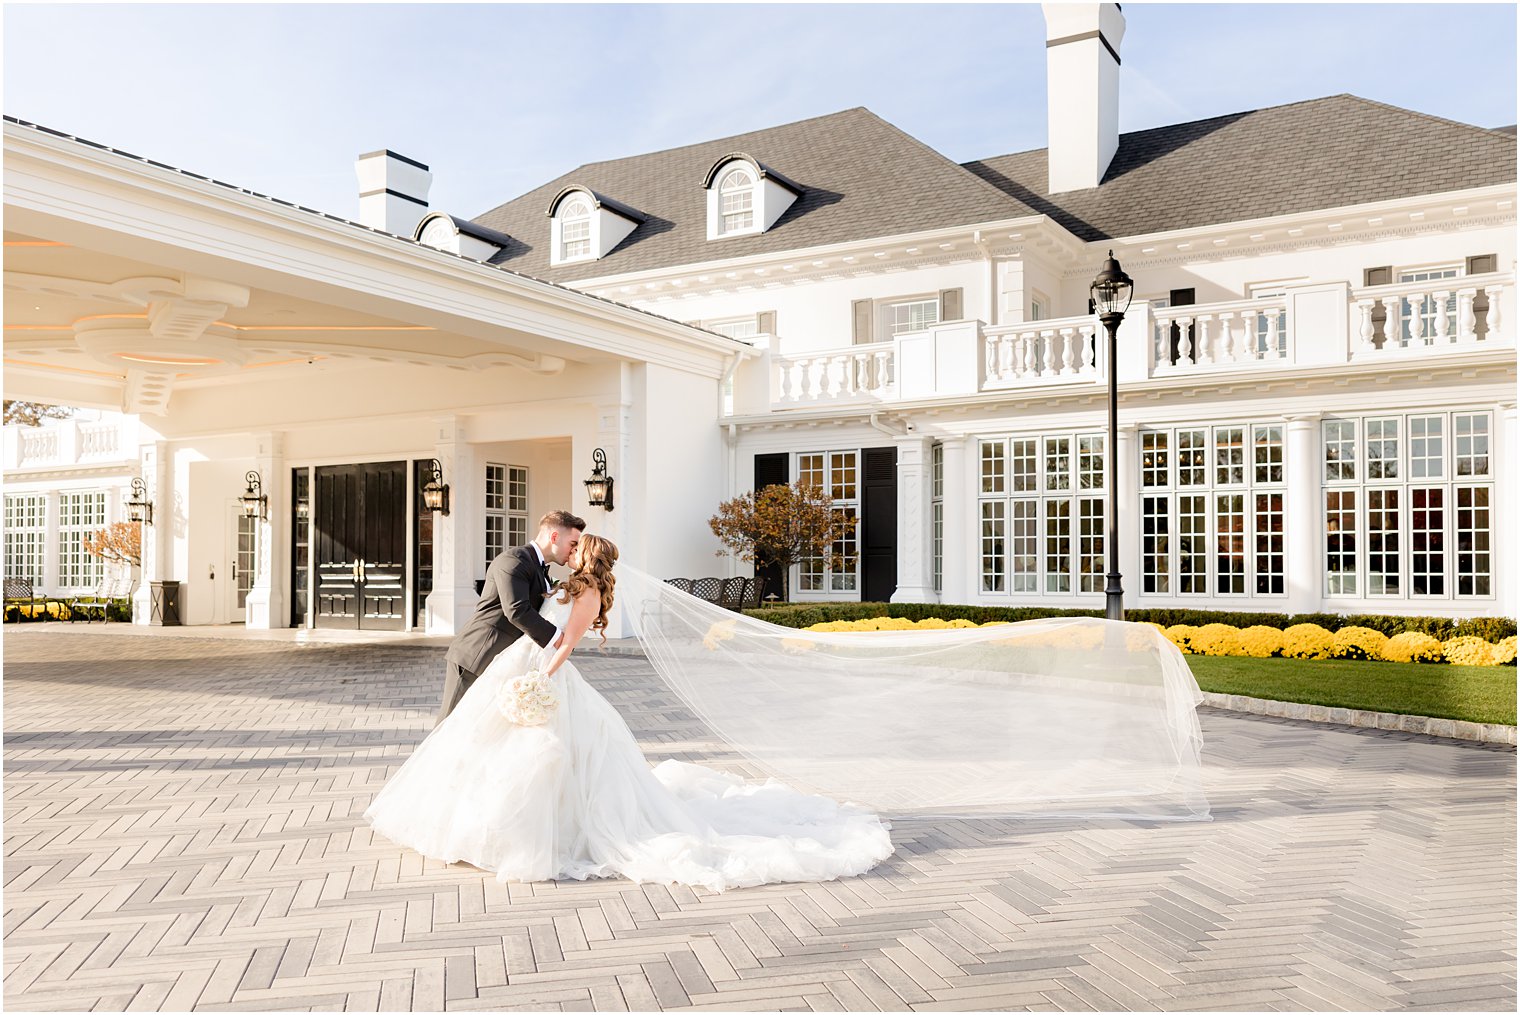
x,y
736,194
460,236
745,197
574,230
586,226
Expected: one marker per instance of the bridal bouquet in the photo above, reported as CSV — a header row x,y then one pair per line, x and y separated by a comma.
x,y
527,700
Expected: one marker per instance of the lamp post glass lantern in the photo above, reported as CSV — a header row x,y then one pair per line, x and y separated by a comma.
x,y
1111,292
139,507
599,486
435,492
255,504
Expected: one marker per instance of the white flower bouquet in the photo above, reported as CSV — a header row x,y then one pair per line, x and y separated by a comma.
x,y
527,700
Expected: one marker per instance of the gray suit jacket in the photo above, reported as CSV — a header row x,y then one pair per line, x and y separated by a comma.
x,y
508,608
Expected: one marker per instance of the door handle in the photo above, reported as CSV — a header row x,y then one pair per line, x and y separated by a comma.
x,y
211,571
361,570
357,576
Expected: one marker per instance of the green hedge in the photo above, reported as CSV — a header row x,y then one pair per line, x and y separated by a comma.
x,y
1441,628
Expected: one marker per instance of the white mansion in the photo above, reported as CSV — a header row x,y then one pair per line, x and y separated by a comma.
x,y
1317,374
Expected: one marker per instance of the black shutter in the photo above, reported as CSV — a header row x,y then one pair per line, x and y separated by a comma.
x,y
1482,264
951,304
1180,298
765,322
861,313
1377,276
878,524
770,470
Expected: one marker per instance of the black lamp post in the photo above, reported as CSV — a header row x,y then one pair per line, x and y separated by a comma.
x,y
255,504
435,492
139,507
599,486
1111,293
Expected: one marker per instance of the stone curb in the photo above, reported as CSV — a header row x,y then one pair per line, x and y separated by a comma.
x,y
1455,729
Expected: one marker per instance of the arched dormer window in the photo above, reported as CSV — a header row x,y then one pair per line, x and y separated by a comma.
x,y
736,197
745,197
574,229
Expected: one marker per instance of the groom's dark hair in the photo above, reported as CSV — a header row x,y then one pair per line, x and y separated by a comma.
x,y
562,520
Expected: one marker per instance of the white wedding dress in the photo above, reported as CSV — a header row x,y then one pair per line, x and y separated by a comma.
x,y
575,798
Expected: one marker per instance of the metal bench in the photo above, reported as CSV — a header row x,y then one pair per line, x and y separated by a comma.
x,y
729,593
100,598
19,591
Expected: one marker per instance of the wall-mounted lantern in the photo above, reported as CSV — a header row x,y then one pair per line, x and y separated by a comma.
x,y
435,492
599,486
255,504
139,507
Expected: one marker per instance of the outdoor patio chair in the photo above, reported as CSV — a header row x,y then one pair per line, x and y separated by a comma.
x,y
20,591
100,598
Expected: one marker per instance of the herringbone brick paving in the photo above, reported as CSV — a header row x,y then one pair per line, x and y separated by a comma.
x,y
183,832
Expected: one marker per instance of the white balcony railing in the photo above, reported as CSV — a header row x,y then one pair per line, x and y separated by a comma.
x,y
69,442
1317,326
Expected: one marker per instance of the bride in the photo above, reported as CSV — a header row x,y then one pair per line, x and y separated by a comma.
x,y
574,797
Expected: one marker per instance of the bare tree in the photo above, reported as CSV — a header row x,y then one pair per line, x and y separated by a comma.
x,y
33,413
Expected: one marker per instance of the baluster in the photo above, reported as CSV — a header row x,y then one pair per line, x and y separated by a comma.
x,y
1207,342
1393,322
1069,350
1089,341
1270,352
1467,319
1439,320
1365,328
1160,346
1023,357
1492,292
1225,350
1185,341
1050,357
990,357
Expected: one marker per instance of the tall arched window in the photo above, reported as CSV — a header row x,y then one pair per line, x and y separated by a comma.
x,y
736,200
574,229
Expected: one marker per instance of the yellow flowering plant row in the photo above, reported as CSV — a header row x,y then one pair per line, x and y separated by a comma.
x,y
1310,641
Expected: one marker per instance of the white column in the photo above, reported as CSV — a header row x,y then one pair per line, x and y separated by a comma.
x,y
267,604
52,576
459,536
1506,580
960,544
155,462
1129,512
915,540
1303,533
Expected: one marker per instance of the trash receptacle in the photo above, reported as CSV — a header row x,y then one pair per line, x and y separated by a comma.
x,y
165,604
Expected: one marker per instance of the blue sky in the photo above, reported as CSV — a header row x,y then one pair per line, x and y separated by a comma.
x,y
501,98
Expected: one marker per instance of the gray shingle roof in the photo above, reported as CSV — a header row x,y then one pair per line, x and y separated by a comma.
x,y
1323,153
860,176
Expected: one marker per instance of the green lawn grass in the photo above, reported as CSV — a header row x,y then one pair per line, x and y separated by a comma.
x,y
1473,693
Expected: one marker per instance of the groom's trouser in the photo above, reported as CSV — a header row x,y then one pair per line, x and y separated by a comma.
x,y
456,681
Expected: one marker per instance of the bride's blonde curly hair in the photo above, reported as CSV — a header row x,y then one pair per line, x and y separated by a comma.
x,y
598,555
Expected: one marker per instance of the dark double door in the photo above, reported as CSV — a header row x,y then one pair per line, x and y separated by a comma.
x,y
359,546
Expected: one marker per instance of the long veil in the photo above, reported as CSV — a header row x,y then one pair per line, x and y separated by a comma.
x,y
1070,717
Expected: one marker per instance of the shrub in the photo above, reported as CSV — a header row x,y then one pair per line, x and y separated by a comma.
x,y
1307,641
1413,647
1358,643
1216,640
1468,651
1181,635
1260,641
1504,652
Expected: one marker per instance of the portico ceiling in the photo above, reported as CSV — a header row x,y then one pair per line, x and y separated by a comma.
x,y
126,282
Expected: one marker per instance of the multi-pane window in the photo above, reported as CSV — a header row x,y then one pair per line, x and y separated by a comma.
x,y
1212,511
838,473
911,315
25,536
1407,505
736,200
575,230
1034,534
937,512
80,515
506,508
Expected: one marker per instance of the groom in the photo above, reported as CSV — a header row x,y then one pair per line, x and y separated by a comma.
x,y
516,583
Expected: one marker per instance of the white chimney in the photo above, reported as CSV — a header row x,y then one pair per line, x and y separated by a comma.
x,y
393,191
1082,85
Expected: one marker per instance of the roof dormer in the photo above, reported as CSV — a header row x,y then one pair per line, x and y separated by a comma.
x,y
585,225
459,236
745,197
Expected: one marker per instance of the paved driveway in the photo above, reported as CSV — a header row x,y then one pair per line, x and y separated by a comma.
x,y
182,831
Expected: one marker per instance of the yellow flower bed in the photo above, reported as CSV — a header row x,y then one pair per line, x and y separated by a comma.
x,y
1413,647
1358,643
1468,651
53,610
1261,642
1307,641
1301,641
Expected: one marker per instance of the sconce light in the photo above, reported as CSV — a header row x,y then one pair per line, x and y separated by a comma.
x,y
139,507
599,486
435,492
303,509
255,504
